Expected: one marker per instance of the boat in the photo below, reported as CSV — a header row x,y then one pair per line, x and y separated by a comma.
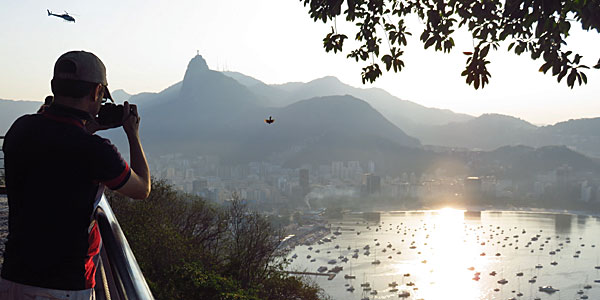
x,y
376,262
393,290
393,284
332,262
548,289
313,260
336,269
322,269
404,294
502,281
355,255
350,289
348,276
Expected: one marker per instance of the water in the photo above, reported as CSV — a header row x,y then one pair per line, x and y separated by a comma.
x,y
449,250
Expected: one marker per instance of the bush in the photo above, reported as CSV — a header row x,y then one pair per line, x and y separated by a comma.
x,y
189,248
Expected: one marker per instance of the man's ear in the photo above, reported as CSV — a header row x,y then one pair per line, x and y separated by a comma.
x,y
98,92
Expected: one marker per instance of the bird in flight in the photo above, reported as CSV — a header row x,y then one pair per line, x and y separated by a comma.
x,y
64,16
270,120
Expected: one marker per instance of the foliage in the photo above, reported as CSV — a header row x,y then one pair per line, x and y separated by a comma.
x,y
189,248
538,27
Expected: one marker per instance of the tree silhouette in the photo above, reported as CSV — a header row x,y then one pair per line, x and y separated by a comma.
x,y
538,27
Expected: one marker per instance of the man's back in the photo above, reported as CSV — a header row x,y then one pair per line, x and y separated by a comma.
x,y
53,168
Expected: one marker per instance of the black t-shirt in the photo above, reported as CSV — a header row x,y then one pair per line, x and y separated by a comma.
x,y
53,169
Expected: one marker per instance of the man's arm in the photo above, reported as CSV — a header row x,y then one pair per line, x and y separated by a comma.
x,y
138,184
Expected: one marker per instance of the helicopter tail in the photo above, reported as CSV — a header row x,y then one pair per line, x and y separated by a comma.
x,y
49,12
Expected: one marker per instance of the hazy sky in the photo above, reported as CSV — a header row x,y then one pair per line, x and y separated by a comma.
x,y
147,44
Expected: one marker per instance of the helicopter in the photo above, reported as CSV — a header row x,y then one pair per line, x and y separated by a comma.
x,y
64,16
270,120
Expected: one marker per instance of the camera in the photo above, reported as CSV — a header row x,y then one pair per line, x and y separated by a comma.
x,y
112,114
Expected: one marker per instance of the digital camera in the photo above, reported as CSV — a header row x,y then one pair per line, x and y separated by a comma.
x,y
111,114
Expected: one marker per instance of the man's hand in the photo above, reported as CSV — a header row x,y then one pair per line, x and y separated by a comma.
x,y
131,119
92,126
138,184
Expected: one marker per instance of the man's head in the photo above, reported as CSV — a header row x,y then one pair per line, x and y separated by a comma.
x,y
80,81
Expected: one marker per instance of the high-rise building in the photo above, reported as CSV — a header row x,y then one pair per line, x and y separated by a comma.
x,y
303,180
371,184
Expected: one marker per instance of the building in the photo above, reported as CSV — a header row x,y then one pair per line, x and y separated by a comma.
x,y
304,182
371,184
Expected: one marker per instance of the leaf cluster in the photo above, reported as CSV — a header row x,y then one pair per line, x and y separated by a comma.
x,y
538,27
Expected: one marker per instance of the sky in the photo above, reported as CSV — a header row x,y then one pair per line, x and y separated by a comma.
x,y
146,46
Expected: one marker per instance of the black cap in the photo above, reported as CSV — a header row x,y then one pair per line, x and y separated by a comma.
x,y
87,67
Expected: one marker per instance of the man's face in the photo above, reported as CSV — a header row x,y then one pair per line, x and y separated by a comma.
x,y
98,100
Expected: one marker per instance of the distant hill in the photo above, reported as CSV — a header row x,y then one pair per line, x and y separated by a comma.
x,y
325,129
582,135
405,114
491,131
120,96
11,110
523,162
486,132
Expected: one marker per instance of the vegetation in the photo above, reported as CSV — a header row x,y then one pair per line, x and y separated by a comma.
x,y
189,248
538,27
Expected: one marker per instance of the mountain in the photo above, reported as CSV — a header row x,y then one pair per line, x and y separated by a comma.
x,y
11,110
271,95
325,129
120,96
404,114
486,132
523,162
491,131
582,135
210,113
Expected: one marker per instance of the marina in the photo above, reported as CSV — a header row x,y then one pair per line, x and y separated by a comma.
x,y
451,254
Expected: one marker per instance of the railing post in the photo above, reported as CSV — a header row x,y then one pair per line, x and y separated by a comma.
x,y
123,275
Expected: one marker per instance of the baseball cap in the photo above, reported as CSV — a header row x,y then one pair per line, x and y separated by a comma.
x,y
83,66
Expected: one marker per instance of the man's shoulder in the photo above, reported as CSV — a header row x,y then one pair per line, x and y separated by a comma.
x,y
102,144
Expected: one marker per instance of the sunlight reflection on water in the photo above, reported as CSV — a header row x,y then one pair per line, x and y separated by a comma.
x,y
448,254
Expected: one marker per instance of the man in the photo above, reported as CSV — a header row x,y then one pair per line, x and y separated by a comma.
x,y
54,168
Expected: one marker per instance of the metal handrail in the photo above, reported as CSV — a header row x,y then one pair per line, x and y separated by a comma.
x,y
118,275
2,187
